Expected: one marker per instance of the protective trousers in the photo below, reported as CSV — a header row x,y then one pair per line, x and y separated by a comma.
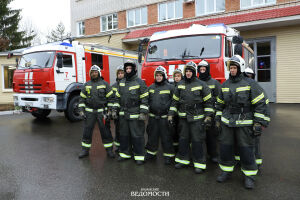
x,y
159,128
175,133
257,151
194,132
132,134
89,124
211,142
117,133
244,139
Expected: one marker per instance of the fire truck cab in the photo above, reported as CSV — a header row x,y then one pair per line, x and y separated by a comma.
x,y
215,43
50,77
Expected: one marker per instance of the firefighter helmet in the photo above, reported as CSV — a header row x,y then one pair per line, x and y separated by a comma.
x,y
162,70
130,63
238,61
95,68
177,71
203,63
119,68
192,66
249,71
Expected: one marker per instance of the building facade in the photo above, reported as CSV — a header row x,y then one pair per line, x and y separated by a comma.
x,y
271,27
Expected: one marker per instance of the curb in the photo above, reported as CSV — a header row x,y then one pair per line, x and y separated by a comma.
x,y
11,112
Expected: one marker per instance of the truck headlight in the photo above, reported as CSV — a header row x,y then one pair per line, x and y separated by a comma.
x,y
48,99
15,98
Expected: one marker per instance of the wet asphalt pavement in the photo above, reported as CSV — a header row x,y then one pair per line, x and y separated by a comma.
x,y
38,160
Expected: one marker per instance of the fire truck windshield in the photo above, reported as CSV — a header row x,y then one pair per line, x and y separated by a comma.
x,y
186,47
37,60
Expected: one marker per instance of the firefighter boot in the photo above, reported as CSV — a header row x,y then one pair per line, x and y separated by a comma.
x,y
249,182
223,176
180,165
84,152
149,156
120,159
109,152
168,160
198,170
139,162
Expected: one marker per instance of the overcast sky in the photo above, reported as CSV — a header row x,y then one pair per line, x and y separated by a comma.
x,y
44,15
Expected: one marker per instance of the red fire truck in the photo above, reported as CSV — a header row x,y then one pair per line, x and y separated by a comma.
x,y
172,49
50,77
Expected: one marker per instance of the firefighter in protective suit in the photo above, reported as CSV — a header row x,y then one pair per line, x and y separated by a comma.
x,y
120,76
249,73
215,87
177,76
132,97
95,96
160,97
239,117
192,101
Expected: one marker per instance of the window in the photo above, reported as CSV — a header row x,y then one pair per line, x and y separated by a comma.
x,y
137,17
170,10
109,22
67,60
204,7
179,48
255,3
43,59
7,77
80,28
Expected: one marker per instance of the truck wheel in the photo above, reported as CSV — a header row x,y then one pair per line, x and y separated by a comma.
x,y
72,112
41,113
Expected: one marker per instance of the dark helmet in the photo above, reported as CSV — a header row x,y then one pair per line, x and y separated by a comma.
x,y
133,71
130,63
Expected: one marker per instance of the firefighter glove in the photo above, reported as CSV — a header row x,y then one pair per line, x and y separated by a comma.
x,y
257,129
171,120
82,115
207,122
114,114
142,117
218,127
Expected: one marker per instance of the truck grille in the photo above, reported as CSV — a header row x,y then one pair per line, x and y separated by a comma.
x,y
30,88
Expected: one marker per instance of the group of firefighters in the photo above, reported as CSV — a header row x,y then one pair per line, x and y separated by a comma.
x,y
193,117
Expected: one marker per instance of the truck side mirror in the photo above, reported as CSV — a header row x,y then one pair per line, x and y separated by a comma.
x,y
59,57
140,57
238,49
9,55
237,39
140,52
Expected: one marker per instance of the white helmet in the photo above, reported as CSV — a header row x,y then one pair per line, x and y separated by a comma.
x,y
177,71
162,70
95,68
190,65
238,61
203,63
248,71
119,68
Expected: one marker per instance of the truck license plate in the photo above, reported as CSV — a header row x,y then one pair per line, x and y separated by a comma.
x,y
29,104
